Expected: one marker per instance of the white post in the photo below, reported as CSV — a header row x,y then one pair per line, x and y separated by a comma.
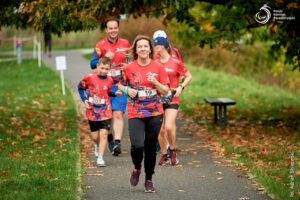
x,y
34,46
15,45
62,81
39,54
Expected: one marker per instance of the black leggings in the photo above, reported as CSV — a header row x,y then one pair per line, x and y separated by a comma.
x,y
143,134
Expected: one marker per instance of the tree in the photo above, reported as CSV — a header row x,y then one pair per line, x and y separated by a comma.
x,y
209,22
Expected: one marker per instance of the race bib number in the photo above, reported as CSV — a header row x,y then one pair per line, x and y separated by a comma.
x,y
96,101
147,93
114,73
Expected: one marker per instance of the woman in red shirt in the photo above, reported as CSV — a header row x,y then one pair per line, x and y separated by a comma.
x,y
175,69
146,80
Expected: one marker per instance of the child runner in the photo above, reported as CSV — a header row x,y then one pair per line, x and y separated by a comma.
x,y
146,80
175,69
98,106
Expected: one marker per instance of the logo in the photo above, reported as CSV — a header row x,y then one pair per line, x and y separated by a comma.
x,y
169,70
264,14
105,87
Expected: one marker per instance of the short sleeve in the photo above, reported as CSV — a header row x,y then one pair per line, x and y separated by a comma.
x,y
181,69
83,84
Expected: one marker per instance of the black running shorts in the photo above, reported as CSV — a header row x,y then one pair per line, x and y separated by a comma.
x,y
97,125
171,106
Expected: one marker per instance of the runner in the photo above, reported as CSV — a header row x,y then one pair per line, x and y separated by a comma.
x,y
175,54
175,69
146,80
115,48
98,105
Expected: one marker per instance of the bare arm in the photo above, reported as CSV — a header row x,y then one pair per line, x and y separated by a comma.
x,y
187,78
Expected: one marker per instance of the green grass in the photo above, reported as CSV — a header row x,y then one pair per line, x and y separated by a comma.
x,y
271,132
88,56
38,134
255,102
54,48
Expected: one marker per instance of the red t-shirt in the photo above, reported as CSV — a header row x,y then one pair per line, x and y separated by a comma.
x,y
147,103
97,96
175,69
119,48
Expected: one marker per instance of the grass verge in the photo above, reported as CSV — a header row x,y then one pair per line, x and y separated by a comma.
x,y
38,134
263,133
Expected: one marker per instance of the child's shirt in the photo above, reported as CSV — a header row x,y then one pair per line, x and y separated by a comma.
x,y
97,96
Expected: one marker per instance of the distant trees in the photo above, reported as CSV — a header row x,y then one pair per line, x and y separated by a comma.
x,y
199,22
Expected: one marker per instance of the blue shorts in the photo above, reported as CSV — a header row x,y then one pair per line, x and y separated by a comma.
x,y
119,103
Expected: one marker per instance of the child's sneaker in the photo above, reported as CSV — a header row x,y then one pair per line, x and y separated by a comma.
x,y
149,186
101,162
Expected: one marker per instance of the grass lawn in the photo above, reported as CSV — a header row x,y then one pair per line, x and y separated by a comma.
x,y
88,56
38,134
263,135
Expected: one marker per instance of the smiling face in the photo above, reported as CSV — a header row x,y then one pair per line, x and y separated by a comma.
x,y
112,30
143,48
103,69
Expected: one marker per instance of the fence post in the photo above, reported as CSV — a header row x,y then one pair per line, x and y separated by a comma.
x,y
19,47
39,54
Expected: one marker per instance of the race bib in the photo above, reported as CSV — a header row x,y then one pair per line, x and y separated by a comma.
x,y
147,93
96,101
114,73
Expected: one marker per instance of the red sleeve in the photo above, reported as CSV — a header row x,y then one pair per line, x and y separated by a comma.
x,y
83,84
124,75
163,76
181,69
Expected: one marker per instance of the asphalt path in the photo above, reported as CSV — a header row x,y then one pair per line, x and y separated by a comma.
x,y
199,174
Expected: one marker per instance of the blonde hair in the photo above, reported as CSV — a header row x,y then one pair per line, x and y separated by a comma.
x,y
132,51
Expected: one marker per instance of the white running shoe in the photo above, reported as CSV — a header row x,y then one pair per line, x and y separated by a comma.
x,y
96,150
101,162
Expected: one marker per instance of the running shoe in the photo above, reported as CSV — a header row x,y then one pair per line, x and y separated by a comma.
x,y
101,162
116,150
163,160
110,145
149,186
134,177
96,150
174,160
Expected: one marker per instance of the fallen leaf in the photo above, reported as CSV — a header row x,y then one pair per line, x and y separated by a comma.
x,y
260,189
220,178
219,173
4,173
181,191
297,172
243,198
94,174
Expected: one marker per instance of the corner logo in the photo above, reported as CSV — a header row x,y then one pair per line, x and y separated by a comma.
x,y
264,14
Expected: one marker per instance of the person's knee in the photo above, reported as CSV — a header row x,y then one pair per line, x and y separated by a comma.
x,y
169,128
118,115
95,136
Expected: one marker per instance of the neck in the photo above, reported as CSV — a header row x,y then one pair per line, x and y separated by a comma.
x,y
113,40
144,61
164,56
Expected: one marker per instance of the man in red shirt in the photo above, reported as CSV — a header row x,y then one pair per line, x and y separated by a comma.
x,y
114,48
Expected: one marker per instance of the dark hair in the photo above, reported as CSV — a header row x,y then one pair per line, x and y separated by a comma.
x,y
132,50
111,19
105,60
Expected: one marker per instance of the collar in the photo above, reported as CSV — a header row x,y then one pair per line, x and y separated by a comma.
x,y
111,41
102,77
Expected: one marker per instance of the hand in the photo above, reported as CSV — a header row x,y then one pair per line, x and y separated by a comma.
x,y
118,92
122,65
86,103
110,54
178,91
151,78
132,92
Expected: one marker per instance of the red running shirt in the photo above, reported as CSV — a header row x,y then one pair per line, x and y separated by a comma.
x,y
97,96
119,48
175,69
147,103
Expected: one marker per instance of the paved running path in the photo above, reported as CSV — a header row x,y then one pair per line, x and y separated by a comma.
x,y
199,174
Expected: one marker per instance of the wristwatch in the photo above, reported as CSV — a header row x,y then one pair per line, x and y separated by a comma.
x,y
182,87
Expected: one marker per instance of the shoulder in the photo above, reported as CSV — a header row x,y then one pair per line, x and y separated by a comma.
x,y
101,42
122,40
131,65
